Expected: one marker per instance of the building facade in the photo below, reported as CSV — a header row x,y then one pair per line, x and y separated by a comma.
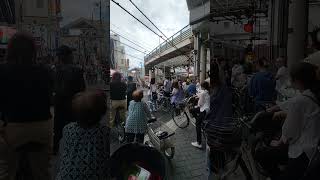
x,y
118,55
86,38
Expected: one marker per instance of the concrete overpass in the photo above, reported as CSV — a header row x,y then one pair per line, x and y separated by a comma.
x,y
173,52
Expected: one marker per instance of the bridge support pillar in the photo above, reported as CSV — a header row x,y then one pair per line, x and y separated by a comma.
x,y
298,26
203,63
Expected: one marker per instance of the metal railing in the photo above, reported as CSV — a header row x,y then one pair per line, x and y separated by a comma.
x,y
172,41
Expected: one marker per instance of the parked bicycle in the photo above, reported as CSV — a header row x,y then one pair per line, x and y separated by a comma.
x,y
228,161
163,102
161,138
180,113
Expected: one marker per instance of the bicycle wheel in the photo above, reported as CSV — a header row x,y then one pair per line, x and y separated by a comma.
x,y
180,117
165,106
120,132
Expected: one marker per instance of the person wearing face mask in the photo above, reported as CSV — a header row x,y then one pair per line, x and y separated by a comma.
x,y
200,111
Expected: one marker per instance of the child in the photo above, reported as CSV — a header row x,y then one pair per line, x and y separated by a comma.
x,y
138,115
85,146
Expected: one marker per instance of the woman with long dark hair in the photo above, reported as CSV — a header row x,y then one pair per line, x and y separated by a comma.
x,y
301,127
25,97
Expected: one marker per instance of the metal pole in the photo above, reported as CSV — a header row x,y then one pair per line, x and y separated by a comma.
x,y
297,31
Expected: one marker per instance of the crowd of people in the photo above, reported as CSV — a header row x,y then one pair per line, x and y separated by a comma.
x,y
79,132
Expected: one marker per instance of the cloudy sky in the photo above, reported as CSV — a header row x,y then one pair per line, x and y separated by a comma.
x,y
169,15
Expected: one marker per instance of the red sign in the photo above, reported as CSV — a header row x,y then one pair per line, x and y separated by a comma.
x,y
248,27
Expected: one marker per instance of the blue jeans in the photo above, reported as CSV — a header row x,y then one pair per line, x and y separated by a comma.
x,y
153,106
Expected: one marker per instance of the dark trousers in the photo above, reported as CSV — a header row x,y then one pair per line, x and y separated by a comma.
x,y
296,168
62,116
199,116
139,137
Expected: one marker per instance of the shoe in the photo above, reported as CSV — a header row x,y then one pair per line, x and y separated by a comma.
x,y
196,144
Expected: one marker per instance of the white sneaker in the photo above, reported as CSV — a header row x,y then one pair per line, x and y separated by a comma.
x,y
196,144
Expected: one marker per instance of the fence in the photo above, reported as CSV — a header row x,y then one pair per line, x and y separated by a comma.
x,y
180,36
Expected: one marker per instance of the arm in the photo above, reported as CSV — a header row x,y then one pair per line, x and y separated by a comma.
x,y
293,124
174,91
201,100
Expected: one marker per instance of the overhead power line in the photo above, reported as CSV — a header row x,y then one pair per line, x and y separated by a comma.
x,y
166,40
130,47
130,34
129,55
118,4
129,40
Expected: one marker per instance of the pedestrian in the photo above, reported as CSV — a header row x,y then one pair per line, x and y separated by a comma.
x,y
132,86
25,93
153,96
167,86
177,93
118,92
282,78
192,89
138,115
85,146
201,110
69,80
218,120
300,130
262,86
238,77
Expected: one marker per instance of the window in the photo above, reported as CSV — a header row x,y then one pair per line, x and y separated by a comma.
x,y
40,3
122,61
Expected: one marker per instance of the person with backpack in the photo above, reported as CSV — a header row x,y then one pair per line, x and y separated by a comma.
x,y
69,80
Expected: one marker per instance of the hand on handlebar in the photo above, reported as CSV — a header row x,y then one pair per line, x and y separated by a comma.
x,y
273,109
276,143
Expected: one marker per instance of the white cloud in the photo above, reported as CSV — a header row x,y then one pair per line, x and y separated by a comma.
x,y
169,15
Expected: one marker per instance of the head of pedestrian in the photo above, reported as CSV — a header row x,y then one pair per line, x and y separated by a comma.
x,y
280,62
116,77
175,84
21,49
137,95
89,107
65,54
261,64
130,78
304,76
205,86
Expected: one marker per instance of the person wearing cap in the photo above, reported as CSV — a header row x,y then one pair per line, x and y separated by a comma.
x,y
69,80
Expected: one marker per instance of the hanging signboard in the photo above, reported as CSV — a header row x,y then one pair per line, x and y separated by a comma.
x,y
5,34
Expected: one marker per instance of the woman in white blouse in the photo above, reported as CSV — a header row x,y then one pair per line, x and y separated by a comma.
x,y
203,107
301,129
